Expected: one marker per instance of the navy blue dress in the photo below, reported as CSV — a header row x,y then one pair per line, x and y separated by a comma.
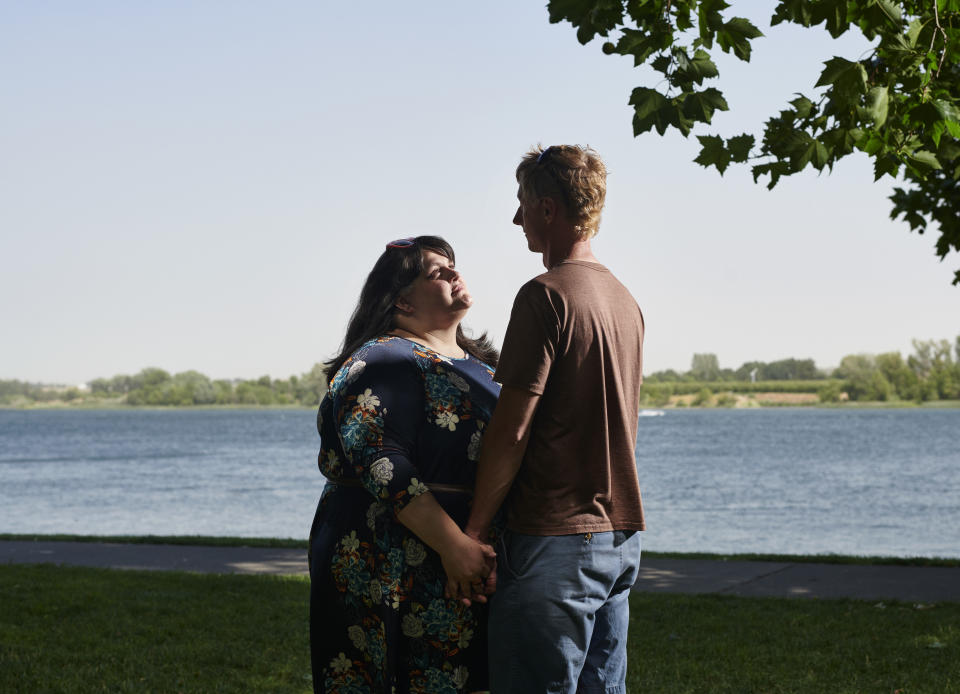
x,y
398,417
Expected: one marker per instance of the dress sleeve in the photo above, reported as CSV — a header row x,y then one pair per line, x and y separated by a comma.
x,y
378,412
531,341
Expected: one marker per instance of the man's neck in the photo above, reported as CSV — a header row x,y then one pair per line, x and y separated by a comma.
x,y
576,249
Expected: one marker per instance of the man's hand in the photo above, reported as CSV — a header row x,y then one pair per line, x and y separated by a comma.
x,y
469,565
482,536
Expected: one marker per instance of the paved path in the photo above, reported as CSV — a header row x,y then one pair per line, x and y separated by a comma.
x,y
746,578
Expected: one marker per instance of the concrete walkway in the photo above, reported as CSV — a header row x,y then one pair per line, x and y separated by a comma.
x,y
745,578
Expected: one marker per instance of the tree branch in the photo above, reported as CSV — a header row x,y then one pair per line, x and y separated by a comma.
x,y
943,54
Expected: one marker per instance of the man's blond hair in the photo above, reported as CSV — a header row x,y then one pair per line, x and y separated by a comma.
x,y
572,174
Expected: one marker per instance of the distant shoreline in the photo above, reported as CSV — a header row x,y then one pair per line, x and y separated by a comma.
x,y
301,543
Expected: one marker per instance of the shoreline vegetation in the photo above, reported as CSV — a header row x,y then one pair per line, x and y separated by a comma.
x,y
928,377
294,543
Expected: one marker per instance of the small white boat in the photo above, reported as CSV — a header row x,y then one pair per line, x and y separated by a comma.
x,y
652,413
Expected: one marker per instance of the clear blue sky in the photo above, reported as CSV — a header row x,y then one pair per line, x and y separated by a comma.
x,y
205,186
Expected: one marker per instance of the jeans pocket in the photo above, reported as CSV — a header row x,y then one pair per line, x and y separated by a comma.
x,y
517,553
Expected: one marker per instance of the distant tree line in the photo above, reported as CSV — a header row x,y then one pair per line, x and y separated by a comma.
x,y
705,368
932,372
156,387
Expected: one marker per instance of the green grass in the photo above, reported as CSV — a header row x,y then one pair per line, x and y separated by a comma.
x,y
721,644
290,543
89,630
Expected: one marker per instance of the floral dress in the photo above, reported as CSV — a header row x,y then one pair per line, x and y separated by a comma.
x,y
398,417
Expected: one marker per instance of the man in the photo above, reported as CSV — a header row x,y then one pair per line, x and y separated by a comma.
x,y
561,442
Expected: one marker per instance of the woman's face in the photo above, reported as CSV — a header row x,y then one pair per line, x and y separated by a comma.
x,y
439,293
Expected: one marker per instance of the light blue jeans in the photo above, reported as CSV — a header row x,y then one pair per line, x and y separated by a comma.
x,y
559,617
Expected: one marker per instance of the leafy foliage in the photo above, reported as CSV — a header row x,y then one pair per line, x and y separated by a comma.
x,y
900,104
157,388
932,372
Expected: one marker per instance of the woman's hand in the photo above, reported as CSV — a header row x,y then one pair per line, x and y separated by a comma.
x,y
470,565
471,570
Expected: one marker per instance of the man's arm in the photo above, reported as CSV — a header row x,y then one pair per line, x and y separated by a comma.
x,y
504,444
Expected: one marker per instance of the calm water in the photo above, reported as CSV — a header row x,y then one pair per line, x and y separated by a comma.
x,y
772,480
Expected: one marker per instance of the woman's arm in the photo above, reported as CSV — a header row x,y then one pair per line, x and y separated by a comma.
x,y
465,560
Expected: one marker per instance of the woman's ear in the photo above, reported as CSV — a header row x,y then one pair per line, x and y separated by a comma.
x,y
403,305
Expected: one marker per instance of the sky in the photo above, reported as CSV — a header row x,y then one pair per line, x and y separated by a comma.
x,y
206,185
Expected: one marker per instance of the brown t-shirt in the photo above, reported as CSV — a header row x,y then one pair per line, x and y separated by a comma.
x,y
576,338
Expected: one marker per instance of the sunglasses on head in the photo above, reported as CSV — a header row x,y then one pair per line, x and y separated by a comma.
x,y
402,243
544,153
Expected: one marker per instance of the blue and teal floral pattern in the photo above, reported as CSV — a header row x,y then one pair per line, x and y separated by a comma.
x,y
397,418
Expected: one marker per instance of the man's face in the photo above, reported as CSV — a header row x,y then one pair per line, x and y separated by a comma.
x,y
529,217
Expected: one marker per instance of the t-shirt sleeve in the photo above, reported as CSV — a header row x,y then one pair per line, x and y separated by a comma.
x,y
530,344
377,420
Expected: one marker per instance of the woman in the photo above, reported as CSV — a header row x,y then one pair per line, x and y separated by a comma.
x,y
400,431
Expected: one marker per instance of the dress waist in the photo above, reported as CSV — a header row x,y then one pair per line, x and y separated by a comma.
x,y
431,486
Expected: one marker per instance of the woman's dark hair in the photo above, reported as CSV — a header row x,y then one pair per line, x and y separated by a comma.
x,y
395,270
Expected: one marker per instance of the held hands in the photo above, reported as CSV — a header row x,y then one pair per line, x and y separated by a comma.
x,y
470,566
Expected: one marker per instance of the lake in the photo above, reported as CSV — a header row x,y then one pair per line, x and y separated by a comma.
x,y
804,480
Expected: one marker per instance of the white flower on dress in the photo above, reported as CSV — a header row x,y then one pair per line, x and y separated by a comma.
x,y
382,471
416,487
447,420
412,626
457,380
473,450
358,637
350,542
341,663
356,368
415,553
376,593
367,400
373,511
460,675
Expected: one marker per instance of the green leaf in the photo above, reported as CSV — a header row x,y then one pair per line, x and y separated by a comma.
x,y
834,70
795,11
661,63
590,18
833,13
947,110
740,147
736,35
925,159
651,110
700,106
802,106
696,69
937,131
646,101
713,153
953,129
885,164
641,45
873,144
916,26
821,156
878,100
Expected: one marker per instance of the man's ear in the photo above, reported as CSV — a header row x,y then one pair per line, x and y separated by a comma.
x,y
548,207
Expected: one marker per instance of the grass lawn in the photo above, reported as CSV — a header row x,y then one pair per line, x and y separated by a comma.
x,y
66,629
